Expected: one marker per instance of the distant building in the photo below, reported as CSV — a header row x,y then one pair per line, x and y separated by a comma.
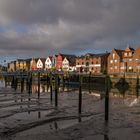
x,y
48,63
37,64
120,61
136,60
60,58
11,66
94,63
69,64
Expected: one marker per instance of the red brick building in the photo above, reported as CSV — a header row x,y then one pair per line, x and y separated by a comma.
x,y
136,60
95,63
120,61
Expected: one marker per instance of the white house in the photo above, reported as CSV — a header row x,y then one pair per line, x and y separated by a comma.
x,y
68,64
40,64
48,63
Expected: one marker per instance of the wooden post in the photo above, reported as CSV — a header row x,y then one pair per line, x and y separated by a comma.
x,y
22,83
5,79
68,81
51,90
89,81
137,87
56,90
15,82
63,82
30,83
106,98
38,84
80,95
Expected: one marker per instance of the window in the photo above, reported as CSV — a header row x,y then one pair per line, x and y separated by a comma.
x,y
125,54
130,59
111,61
115,60
115,67
113,55
130,53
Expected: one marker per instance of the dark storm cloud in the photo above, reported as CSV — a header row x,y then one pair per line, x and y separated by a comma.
x,y
49,26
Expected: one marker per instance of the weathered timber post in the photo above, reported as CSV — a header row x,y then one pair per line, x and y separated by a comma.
x,y
56,90
5,79
89,81
63,82
38,84
22,83
137,86
80,95
15,83
51,90
30,83
106,98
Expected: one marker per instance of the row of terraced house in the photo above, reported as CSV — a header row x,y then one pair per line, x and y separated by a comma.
x,y
117,61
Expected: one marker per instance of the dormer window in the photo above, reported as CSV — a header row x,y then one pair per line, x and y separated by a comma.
x,y
125,54
130,53
113,55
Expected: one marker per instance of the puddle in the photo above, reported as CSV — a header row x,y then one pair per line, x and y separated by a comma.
x,y
52,126
31,115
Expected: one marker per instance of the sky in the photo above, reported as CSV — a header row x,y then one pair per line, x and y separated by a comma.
x,y
44,27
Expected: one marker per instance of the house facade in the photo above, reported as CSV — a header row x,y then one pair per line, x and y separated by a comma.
x,y
40,64
136,60
48,63
60,58
33,64
37,64
22,64
12,66
114,61
69,64
121,61
94,63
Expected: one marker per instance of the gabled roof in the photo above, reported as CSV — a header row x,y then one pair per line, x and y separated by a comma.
x,y
120,52
129,48
67,55
72,60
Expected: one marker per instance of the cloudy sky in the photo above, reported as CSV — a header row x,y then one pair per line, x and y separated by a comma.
x,y
45,27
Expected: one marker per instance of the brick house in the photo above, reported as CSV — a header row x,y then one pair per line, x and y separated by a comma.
x,y
60,58
136,60
120,61
95,63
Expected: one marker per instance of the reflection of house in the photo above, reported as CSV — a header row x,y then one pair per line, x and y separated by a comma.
x,y
68,64
60,58
136,60
95,63
120,61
